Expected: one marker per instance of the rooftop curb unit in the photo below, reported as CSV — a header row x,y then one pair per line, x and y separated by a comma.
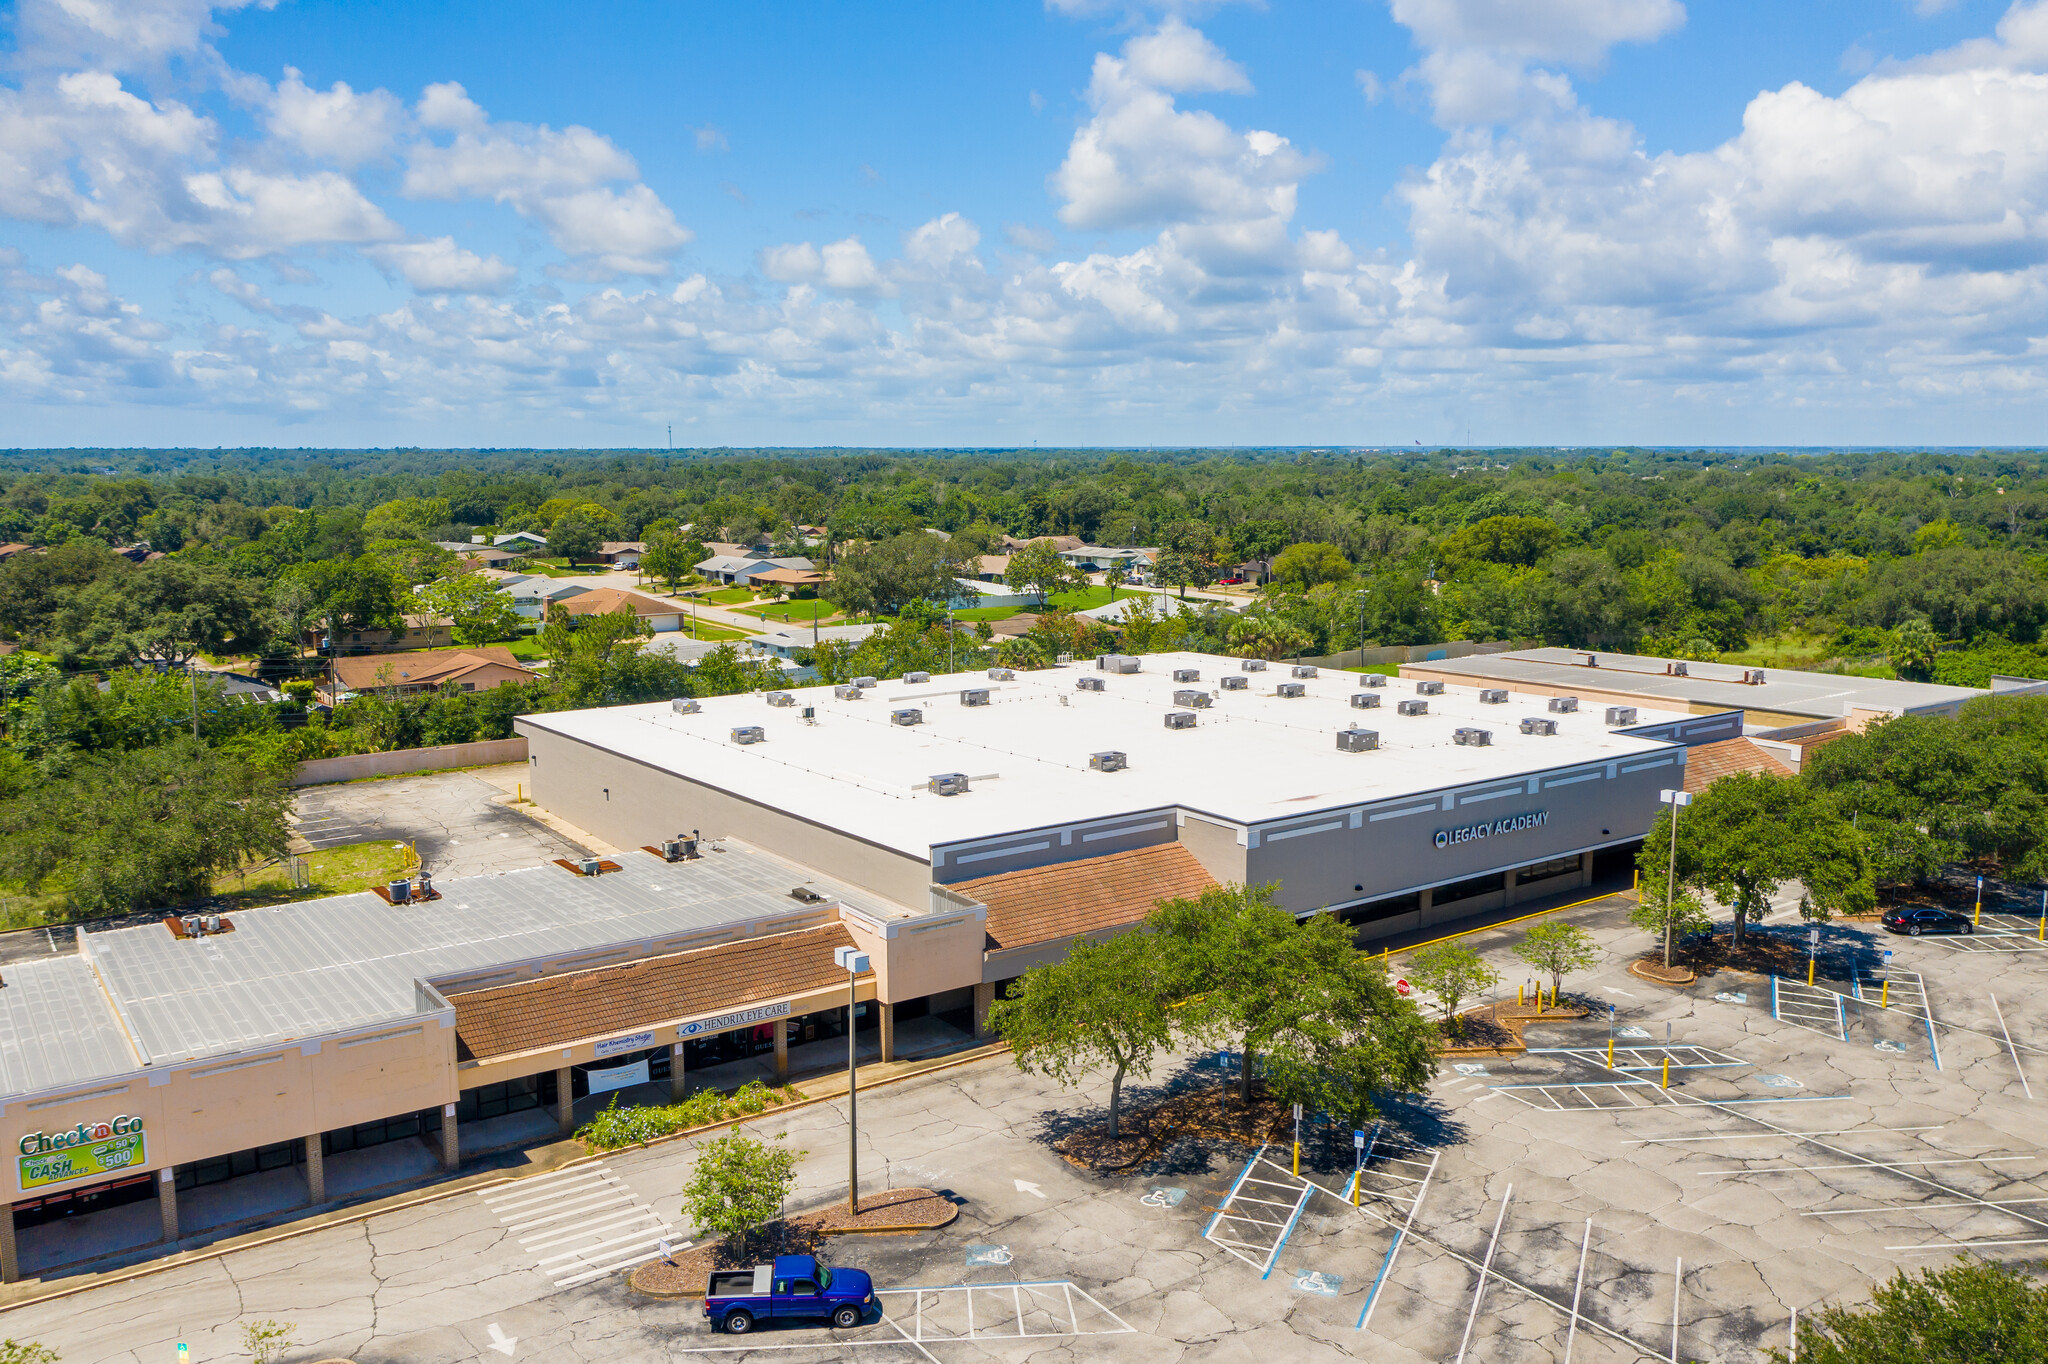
x,y
1564,705
1471,737
1117,663
909,715
1253,665
1085,683
1001,675
1180,719
1304,670
684,705
1536,724
1187,674
917,677
847,691
1364,700
1110,760
1621,715
947,783
678,849
748,734
1372,679
1236,682
781,698
1290,689
1356,740
1429,689
1199,700
974,696
1493,696
1411,708
863,682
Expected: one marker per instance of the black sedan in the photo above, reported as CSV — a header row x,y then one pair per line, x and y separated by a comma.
x,y
1918,921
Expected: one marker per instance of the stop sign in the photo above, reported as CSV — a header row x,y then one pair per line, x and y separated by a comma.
x,y
1401,987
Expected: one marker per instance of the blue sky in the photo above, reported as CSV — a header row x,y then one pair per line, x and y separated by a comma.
x,y
1351,221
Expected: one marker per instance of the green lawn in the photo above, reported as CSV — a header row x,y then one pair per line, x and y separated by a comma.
x,y
1792,649
800,610
1086,598
988,613
728,596
704,629
526,648
335,871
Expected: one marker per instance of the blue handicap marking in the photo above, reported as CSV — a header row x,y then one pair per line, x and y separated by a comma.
x,y
1732,997
1632,1032
1164,1198
1319,1283
1896,1048
1779,1082
987,1255
1468,1068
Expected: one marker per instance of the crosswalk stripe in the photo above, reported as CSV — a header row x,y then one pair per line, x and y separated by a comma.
x,y
589,1205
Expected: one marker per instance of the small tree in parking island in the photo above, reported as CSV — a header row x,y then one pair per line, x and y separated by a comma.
x,y
1970,1313
265,1340
1453,973
1104,1004
1554,948
739,1183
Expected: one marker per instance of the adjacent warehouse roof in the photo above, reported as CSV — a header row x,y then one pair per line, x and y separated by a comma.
x,y
1717,686
1252,755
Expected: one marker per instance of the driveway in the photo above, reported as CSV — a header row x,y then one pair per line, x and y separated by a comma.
x,y
454,819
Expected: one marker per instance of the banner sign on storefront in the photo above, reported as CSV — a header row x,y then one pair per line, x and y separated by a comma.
x,y
86,1151
727,1022
618,1077
639,1041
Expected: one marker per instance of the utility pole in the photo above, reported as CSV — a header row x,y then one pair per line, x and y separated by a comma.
x,y
1677,800
854,962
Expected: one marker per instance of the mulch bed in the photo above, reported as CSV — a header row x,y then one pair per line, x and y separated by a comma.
x,y
1653,969
1196,1114
685,1274
1496,1029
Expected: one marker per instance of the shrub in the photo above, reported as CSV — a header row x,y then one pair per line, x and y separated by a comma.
x,y
614,1126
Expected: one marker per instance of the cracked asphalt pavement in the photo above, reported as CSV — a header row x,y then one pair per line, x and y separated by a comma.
x,y
453,818
1734,1198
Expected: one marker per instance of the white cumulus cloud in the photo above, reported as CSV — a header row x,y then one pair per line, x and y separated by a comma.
x,y
440,266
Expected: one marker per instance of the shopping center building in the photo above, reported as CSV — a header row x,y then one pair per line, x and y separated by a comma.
x,y
958,829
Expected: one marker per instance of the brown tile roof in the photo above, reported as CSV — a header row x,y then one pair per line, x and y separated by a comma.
x,y
421,667
604,600
1709,763
1049,903
570,1008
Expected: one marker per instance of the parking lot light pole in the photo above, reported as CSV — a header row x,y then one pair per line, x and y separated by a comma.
x,y
1677,800
855,963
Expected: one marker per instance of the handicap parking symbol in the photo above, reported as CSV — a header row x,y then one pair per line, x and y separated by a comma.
x,y
1319,1283
1468,1068
1731,997
987,1255
1896,1048
1779,1082
1164,1198
1632,1032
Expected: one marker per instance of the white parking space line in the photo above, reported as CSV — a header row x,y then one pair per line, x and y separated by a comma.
x,y
599,1224
1041,1309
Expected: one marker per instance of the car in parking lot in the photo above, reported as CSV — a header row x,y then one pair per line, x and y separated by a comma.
x,y
1918,920
794,1289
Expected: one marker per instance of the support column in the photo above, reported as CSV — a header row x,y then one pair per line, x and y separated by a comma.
x,y
888,1030
167,1201
10,1257
565,1100
984,995
678,1083
451,1139
1585,870
781,1026
316,1171
1426,903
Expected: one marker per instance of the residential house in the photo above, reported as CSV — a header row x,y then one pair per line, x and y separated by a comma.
x,y
520,541
1059,542
972,594
1096,558
738,570
598,601
992,568
785,642
788,580
471,557
420,632
621,553
478,669
8,551
531,596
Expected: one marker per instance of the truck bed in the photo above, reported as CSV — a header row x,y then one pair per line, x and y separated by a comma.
x,y
739,1283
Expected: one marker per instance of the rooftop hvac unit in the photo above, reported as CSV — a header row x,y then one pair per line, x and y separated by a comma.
x,y
426,879
678,849
1536,724
588,866
1493,696
1198,699
974,696
810,712
1110,761
781,698
1236,682
1304,670
1001,675
1357,740
1470,737
1372,679
749,734
1085,683
1254,665
1117,663
1063,659
1364,700
1180,719
400,891
909,715
1412,708
947,784
863,681
847,691
917,677
1592,660
1753,676
1291,689
1564,705
683,705
1621,715
1429,689
1675,670
1187,675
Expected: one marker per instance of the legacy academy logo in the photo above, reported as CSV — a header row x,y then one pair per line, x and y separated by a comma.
x,y
1509,824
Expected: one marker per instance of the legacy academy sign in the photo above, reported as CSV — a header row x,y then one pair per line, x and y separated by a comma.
x,y
1507,824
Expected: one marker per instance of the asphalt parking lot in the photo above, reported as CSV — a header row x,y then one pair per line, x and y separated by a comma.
x,y
1789,1163
453,819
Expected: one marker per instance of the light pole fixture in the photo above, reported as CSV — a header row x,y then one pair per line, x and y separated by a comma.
x,y
1677,800
855,963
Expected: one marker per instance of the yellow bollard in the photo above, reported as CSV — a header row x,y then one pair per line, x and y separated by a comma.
x,y
1667,1072
1884,995
1355,1181
1297,1160
1518,995
1809,970
1610,1053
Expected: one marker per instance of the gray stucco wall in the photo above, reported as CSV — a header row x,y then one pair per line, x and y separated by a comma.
x,y
1215,846
646,804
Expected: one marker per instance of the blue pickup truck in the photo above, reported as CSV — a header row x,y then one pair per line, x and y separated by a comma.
x,y
796,1288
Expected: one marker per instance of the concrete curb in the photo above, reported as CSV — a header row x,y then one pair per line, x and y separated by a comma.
x,y
442,1192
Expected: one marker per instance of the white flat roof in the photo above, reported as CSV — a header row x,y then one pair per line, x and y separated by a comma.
x,y
1253,755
